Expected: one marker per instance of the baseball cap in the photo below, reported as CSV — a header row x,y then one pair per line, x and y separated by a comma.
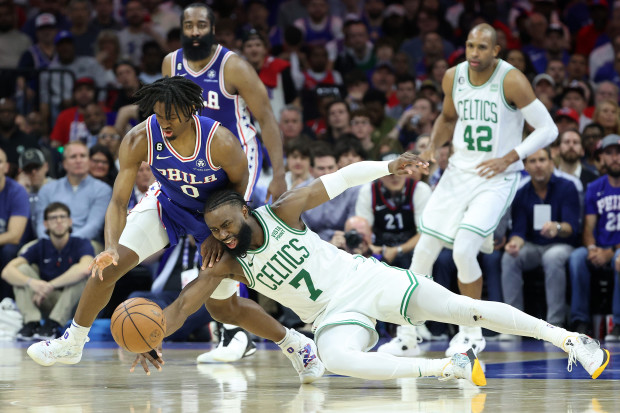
x,y
63,35
394,10
385,65
543,76
567,113
609,140
429,84
31,157
555,28
575,86
45,19
84,81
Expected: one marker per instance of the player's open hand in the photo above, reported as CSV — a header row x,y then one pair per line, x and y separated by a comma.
x,y
103,260
153,356
428,155
211,251
407,163
488,169
276,188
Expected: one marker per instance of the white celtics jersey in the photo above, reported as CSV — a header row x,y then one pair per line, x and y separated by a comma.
x,y
488,126
296,268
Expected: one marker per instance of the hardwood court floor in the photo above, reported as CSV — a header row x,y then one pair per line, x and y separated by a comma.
x,y
525,376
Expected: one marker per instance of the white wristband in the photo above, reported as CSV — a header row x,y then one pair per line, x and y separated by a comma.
x,y
355,174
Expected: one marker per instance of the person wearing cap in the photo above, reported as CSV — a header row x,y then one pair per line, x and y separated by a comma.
x,y
565,119
33,169
14,214
486,104
600,250
38,56
574,97
545,228
544,88
12,140
56,88
12,41
69,125
49,276
383,79
53,8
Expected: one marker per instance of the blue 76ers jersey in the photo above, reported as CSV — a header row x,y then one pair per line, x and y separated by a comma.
x,y
230,110
186,181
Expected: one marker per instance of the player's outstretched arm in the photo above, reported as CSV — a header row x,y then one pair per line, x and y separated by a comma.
x,y
290,206
132,152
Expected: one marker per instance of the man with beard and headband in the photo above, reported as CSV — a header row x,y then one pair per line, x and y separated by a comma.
x,y
272,251
232,94
601,238
485,104
191,157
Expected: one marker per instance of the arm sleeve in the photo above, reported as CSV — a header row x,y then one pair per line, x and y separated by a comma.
x,y
421,195
545,131
354,175
363,206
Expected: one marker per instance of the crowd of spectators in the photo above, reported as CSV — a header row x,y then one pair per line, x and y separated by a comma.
x,y
348,81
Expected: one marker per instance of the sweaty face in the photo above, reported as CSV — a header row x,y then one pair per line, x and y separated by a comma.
x,y
173,126
227,224
197,35
480,52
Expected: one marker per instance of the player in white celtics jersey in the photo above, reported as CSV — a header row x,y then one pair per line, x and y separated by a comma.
x,y
272,251
486,101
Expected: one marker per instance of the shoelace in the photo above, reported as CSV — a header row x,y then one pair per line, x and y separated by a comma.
x,y
572,358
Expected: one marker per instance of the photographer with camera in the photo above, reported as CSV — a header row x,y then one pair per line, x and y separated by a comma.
x,y
356,238
416,120
393,206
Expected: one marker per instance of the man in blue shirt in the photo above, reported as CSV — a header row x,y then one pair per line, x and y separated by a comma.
x,y
14,213
545,224
55,285
87,196
601,239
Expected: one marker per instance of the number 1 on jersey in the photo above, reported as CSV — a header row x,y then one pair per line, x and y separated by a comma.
x,y
305,275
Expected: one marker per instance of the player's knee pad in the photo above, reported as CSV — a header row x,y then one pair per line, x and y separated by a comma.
x,y
465,259
425,253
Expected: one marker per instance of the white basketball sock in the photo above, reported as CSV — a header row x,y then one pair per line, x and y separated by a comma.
x,y
80,333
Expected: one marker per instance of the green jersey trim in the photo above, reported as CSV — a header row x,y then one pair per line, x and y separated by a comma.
x,y
499,63
404,305
279,221
501,91
352,321
263,224
434,233
248,273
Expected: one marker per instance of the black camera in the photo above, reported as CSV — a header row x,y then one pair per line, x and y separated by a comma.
x,y
353,239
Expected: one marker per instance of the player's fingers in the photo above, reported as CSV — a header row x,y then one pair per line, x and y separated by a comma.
x,y
101,274
134,364
145,366
212,260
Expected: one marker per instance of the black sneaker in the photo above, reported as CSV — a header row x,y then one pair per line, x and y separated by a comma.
x,y
28,331
49,331
582,327
614,335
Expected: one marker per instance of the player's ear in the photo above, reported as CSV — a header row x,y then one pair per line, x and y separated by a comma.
x,y
496,50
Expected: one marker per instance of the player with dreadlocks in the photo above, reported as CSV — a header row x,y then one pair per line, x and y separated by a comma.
x,y
191,157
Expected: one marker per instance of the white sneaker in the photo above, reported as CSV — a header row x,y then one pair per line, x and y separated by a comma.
x,y
588,352
66,349
234,345
302,353
464,366
463,341
405,344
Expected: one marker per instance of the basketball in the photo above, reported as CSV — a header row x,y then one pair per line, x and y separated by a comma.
x,y
138,325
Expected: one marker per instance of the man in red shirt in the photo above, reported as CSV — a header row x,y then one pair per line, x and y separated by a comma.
x,y
70,125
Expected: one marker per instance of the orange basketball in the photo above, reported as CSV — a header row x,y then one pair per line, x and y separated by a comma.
x,y
138,325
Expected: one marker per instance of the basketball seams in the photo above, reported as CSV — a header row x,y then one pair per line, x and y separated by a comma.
x,y
129,340
138,331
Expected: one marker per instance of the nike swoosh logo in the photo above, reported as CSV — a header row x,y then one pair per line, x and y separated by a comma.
x,y
47,260
182,74
380,207
163,157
